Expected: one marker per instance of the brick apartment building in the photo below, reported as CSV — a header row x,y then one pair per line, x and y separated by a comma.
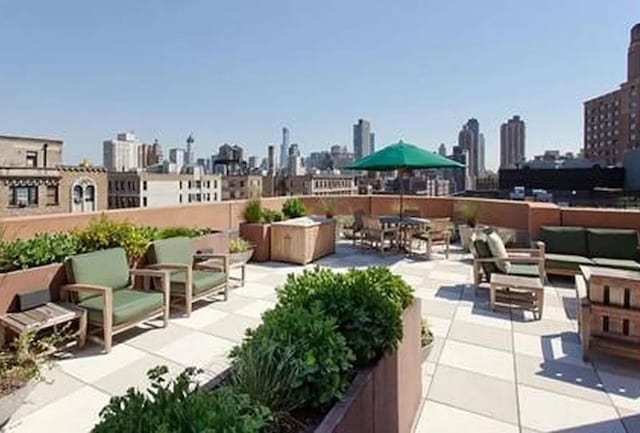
x,y
34,181
612,120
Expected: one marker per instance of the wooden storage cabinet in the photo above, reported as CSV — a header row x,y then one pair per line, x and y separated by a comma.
x,y
303,240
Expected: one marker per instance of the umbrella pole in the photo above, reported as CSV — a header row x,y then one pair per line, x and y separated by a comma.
x,y
401,172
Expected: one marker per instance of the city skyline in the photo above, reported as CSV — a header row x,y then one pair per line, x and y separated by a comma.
x,y
217,90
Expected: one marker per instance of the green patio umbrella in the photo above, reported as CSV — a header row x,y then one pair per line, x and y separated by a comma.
x,y
402,156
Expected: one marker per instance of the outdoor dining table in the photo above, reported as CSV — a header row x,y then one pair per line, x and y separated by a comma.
x,y
407,226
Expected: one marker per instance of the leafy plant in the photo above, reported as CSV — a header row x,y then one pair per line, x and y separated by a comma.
x,y
467,212
293,208
266,371
103,233
252,212
316,352
367,305
269,216
42,249
328,206
178,407
25,358
426,336
189,232
239,245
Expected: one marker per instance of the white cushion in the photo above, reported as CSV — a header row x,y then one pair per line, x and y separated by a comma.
x,y
498,250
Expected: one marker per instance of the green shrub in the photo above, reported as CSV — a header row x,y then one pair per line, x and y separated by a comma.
x,y
293,208
103,233
177,407
42,249
270,216
189,232
266,370
367,305
239,245
316,352
252,212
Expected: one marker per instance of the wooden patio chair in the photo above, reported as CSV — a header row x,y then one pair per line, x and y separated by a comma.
x,y
192,276
377,236
438,232
102,283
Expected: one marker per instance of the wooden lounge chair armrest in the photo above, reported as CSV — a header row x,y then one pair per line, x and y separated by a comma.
x,y
526,259
148,273
523,251
89,288
210,260
169,266
581,290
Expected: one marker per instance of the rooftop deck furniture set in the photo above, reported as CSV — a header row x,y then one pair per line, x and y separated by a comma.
x,y
102,283
568,248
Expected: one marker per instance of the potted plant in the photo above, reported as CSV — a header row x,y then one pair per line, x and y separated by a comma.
x,y
21,366
293,208
426,339
328,206
256,230
240,251
467,213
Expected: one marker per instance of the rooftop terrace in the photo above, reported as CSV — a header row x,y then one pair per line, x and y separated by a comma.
x,y
487,372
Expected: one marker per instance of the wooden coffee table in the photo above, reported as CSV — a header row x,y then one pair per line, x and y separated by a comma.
x,y
49,315
526,293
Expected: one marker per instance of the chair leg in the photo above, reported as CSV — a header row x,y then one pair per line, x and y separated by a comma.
x,y
82,330
107,337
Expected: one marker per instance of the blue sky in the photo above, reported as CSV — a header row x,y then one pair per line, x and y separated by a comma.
x,y
237,71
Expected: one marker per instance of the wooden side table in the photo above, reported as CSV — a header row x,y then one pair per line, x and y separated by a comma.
x,y
512,291
45,316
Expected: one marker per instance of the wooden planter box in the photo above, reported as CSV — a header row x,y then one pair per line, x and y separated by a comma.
x,y
23,281
303,240
259,235
386,397
217,241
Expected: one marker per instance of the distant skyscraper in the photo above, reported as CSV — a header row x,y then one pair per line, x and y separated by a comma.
x,y
271,159
442,150
189,158
177,157
361,139
372,142
294,165
284,148
121,153
469,140
512,142
481,156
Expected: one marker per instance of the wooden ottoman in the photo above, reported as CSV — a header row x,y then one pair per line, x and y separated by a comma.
x,y
526,293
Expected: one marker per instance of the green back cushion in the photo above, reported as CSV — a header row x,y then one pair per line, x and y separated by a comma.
x,y
564,240
613,243
107,268
172,250
483,252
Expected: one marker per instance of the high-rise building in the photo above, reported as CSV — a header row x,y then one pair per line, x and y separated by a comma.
x,y
471,140
612,121
189,156
294,166
271,159
512,142
442,150
361,139
372,142
284,148
121,153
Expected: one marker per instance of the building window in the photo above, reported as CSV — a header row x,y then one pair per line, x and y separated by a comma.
x,y
83,195
32,158
144,185
180,198
23,196
52,195
144,202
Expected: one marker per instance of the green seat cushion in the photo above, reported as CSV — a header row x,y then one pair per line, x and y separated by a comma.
x,y
524,270
631,265
202,281
566,261
564,240
107,268
171,250
128,305
613,243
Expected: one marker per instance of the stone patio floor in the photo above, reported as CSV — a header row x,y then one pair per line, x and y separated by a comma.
x,y
488,372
